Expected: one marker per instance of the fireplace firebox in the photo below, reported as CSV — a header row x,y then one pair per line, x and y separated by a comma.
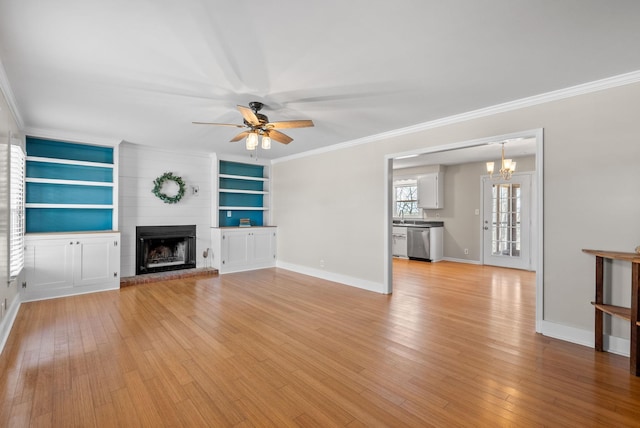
x,y
165,248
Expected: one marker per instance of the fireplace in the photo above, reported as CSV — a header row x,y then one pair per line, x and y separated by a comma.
x,y
165,248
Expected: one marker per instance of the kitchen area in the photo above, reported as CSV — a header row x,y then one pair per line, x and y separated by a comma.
x,y
414,237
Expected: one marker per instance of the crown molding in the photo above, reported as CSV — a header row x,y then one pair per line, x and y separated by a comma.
x,y
71,137
5,87
573,91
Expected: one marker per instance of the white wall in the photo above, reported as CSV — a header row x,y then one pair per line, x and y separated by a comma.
x,y
139,167
331,205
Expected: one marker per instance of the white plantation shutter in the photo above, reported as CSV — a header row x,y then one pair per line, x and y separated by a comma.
x,y
16,208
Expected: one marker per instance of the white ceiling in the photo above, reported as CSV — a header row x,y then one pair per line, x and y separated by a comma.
x,y
143,70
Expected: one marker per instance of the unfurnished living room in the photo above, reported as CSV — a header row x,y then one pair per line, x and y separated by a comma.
x,y
237,214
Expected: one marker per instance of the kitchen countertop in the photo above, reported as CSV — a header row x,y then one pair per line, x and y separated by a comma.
x,y
418,223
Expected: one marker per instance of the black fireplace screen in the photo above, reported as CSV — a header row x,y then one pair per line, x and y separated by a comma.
x,y
165,248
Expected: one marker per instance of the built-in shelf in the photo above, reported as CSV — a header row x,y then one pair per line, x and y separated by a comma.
x,y
246,192
243,191
68,162
68,182
69,186
242,177
243,208
71,206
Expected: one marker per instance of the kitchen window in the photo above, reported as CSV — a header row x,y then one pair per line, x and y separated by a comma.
x,y
405,198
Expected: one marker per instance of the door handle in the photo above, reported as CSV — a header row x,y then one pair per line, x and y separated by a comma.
x,y
486,228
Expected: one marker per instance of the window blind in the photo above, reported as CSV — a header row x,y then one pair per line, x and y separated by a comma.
x,y
16,208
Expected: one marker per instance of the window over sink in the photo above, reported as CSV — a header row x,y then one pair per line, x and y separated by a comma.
x,y
405,198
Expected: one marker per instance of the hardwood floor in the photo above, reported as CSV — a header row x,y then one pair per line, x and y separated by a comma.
x,y
453,346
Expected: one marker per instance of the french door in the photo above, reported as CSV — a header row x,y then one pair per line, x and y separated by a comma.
x,y
506,222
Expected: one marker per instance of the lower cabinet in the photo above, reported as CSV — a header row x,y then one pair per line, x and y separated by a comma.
x,y
239,249
59,265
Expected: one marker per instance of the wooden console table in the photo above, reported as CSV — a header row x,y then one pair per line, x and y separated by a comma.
x,y
629,314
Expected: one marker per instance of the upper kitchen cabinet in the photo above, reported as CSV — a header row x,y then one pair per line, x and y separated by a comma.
x,y
431,191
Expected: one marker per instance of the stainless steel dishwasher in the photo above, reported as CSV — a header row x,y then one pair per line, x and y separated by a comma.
x,y
418,246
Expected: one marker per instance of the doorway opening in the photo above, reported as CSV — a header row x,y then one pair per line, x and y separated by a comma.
x,y
482,150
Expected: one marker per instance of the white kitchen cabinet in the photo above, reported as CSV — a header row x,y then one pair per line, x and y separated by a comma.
x,y
431,191
238,249
63,264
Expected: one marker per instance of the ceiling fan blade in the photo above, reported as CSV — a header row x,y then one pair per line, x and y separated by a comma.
x,y
219,124
280,137
240,136
290,124
249,115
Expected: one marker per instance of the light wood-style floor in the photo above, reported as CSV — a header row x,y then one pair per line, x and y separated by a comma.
x,y
453,346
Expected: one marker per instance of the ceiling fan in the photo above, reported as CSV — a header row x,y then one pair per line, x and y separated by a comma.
x,y
259,124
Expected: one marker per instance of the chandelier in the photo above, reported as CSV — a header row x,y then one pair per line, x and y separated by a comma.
x,y
252,141
507,168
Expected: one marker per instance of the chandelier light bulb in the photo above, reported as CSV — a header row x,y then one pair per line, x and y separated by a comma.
x,y
266,142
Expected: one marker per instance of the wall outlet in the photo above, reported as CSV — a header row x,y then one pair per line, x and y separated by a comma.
x,y
477,212
228,213
322,263
437,214
466,251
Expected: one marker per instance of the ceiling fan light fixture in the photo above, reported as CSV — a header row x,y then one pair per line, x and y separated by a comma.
x,y
252,141
266,142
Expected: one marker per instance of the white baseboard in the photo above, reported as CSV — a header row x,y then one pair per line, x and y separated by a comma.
x,y
615,345
334,277
451,259
8,320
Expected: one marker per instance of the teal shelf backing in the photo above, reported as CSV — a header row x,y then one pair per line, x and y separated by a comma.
x,y
62,150
46,193
239,200
54,219
236,168
69,172
234,220
41,220
238,184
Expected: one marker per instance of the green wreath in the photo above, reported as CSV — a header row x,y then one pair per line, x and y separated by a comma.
x,y
159,182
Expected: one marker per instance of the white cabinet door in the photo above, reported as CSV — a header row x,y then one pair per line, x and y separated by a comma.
x,y
49,264
235,249
263,246
63,265
430,190
244,248
95,261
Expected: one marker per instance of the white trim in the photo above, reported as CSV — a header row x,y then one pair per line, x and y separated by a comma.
x,y
615,345
47,294
6,90
333,277
572,91
7,322
71,137
454,260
